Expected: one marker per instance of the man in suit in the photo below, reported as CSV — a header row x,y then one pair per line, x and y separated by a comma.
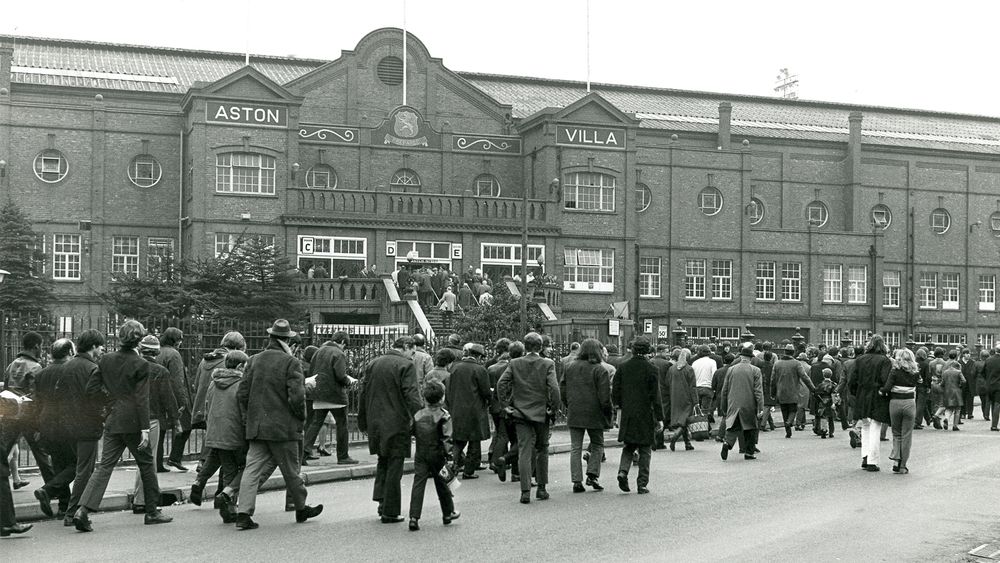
x,y
123,378
529,391
272,398
389,399
330,382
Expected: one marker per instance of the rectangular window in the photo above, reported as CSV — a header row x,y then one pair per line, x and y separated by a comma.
x,y
426,250
332,257
722,279
831,337
928,290
589,269
833,283
704,333
858,336
39,262
890,289
65,257
987,293
949,291
791,281
893,339
66,325
125,255
244,173
857,284
499,260
765,281
987,339
159,254
589,192
226,242
694,279
649,277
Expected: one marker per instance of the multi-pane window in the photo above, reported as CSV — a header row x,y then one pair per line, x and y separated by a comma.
x,y
893,339
949,291
125,255
694,279
765,281
928,290
404,180
833,283
144,171
51,166
756,211
831,336
226,242
66,257
487,185
159,253
940,221
881,216
591,269
710,201
857,284
987,293
499,260
722,279
890,289
244,173
643,197
321,176
987,339
702,333
817,214
589,191
649,277
39,263
791,281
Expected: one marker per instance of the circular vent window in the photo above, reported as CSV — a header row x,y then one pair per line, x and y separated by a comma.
x,y
390,71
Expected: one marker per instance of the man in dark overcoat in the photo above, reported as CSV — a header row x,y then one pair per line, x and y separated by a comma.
x,y
742,404
389,399
272,398
468,400
635,391
586,391
329,364
61,449
787,376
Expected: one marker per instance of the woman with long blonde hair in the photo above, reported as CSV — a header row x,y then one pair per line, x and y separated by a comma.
x,y
901,389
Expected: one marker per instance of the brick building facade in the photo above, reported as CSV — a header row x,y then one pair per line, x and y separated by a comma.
x,y
721,210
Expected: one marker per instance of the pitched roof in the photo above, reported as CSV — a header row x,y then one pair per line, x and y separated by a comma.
x,y
73,63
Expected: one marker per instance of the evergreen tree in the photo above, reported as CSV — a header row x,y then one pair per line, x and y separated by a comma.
x,y
27,291
500,319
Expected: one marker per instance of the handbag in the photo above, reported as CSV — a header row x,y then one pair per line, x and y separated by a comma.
x,y
697,425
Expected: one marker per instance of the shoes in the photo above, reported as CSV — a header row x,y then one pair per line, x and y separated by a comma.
x,y
725,451
380,509
162,469
226,508
324,452
864,462
21,484
592,482
414,525
17,528
871,468
138,509
501,468
578,487
788,432
883,439
195,496
244,522
451,517
673,446
525,497
68,521
623,482
469,476
955,428
688,447
831,434
642,490
855,439
994,429
904,470
307,513
44,502
918,426
392,519
945,423
176,465
346,460
749,457
541,493
515,478
310,456
156,518
895,468
82,522
304,463
755,450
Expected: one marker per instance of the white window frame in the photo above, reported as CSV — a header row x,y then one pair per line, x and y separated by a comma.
x,y
881,211
987,339
987,292
66,257
791,282
757,211
710,201
145,163
491,184
405,178
893,339
722,280
857,285
155,247
940,221
694,279
589,269
891,285
833,283
704,333
225,242
245,173
319,171
830,336
817,214
951,283
765,284
928,290
125,255
50,166
995,223
643,197
509,255
649,276
594,189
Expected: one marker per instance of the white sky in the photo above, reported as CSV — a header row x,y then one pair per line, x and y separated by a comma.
x,y
917,54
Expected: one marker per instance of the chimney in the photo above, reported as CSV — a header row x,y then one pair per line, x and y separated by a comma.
x,y
853,170
725,116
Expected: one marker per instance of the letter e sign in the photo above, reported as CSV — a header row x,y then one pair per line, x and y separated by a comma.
x,y
456,251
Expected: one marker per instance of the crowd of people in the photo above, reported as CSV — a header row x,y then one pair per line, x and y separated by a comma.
x,y
264,412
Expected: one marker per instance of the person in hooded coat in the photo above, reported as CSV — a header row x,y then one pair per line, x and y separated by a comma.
x,y
742,404
679,396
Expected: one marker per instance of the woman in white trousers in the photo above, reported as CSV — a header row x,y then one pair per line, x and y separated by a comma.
x,y
871,373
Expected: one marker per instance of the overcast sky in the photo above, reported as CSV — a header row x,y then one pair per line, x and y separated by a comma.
x,y
917,54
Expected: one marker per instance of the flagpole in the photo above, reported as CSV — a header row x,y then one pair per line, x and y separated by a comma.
x,y
404,52
246,32
588,46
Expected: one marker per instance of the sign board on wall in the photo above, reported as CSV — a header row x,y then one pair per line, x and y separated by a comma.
x,y
390,248
246,114
614,327
592,137
663,331
456,251
306,245
405,127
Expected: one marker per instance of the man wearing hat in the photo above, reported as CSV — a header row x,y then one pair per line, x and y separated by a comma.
x,y
272,398
787,376
742,404
164,410
123,378
635,390
468,399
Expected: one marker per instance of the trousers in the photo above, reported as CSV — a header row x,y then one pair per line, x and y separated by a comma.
x,y
628,455
112,447
596,449
533,452
86,459
264,454
138,495
63,455
13,429
871,432
507,445
468,462
424,469
316,424
387,491
901,414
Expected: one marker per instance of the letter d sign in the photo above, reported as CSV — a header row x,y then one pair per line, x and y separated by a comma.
x,y
390,248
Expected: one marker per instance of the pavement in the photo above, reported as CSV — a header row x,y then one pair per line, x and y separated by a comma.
x,y
803,499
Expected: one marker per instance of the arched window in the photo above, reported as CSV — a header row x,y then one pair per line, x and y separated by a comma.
x,y
144,171
487,185
51,166
321,176
817,214
244,173
404,180
643,197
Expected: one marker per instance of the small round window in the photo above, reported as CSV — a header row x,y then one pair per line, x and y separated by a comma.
x,y
643,197
817,214
940,221
51,166
390,71
144,171
710,201
487,185
321,176
881,217
756,211
995,223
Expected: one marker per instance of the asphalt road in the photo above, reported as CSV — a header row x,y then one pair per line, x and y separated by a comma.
x,y
803,499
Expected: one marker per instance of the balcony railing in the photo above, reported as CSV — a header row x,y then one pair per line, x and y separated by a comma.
x,y
352,290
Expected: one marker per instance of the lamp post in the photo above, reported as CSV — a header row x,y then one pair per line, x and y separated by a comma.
x,y
3,320
553,185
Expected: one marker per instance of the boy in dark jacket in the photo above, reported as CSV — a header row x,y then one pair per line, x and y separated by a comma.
x,y
432,428
824,403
